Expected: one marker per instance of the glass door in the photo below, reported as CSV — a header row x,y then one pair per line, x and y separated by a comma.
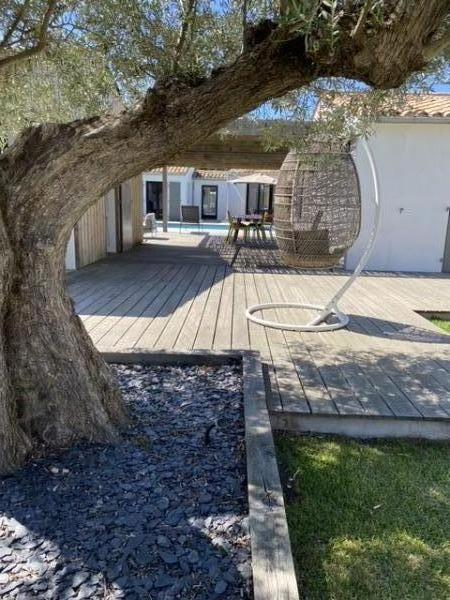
x,y
154,198
259,198
209,201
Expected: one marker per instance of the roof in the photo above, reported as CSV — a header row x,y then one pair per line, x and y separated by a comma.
x,y
412,105
424,105
172,171
211,174
231,174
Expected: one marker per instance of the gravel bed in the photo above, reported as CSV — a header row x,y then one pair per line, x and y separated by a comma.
x,y
162,514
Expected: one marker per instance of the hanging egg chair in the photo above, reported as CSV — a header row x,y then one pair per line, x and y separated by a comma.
x,y
317,218
317,206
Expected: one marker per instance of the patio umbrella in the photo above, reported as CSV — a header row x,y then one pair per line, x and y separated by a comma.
x,y
255,178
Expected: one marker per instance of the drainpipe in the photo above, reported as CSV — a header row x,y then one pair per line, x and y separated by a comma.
x,y
165,198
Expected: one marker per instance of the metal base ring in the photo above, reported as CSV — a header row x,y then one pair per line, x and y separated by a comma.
x,y
320,323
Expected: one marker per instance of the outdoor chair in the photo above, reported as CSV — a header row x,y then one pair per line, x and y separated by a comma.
x,y
190,214
266,224
235,225
150,223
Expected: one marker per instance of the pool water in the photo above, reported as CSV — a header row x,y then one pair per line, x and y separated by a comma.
x,y
216,228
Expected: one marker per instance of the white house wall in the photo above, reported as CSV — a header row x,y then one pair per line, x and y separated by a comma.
x,y
71,262
184,195
414,175
230,197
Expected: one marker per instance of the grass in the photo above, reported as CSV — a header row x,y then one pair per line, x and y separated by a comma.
x,y
442,323
368,520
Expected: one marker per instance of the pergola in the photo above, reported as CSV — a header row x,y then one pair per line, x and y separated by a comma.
x,y
229,150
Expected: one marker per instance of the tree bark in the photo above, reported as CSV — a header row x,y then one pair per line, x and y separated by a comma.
x,y
14,444
63,389
54,387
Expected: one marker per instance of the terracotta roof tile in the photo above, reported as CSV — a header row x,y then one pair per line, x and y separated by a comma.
x,y
413,105
172,170
211,174
425,105
231,174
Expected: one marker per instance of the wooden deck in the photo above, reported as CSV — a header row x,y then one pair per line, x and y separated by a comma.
x,y
387,373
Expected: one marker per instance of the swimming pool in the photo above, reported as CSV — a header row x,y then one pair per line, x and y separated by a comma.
x,y
216,228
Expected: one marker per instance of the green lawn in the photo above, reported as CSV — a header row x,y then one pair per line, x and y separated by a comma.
x,y
368,520
445,325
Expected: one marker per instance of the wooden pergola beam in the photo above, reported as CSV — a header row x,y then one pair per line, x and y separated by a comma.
x,y
231,152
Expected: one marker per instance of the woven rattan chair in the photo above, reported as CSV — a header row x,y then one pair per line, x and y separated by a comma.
x,y
317,207
317,217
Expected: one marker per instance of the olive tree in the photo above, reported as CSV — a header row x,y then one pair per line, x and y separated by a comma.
x,y
205,64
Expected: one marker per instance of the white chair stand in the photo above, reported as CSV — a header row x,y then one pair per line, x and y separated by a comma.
x,y
329,317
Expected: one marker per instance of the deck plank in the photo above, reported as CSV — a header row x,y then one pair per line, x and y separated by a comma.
x,y
222,334
189,331
180,293
118,329
156,328
176,323
137,329
207,328
293,398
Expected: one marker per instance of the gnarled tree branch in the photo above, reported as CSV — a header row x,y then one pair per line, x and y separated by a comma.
x,y
176,114
438,46
359,27
186,23
39,44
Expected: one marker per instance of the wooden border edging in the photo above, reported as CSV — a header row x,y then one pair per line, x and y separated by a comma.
x,y
169,357
272,562
361,426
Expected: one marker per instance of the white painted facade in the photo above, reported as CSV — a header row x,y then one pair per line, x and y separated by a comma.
x,y
180,185
71,262
230,196
413,163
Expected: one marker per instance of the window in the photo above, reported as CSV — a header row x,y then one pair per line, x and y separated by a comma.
x,y
259,198
153,199
209,201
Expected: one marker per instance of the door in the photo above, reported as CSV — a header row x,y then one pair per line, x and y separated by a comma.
x,y
259,198
446,261
153,198
209,201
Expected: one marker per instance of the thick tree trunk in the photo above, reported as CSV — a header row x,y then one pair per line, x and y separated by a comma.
x,y
54,387
64,390
14,444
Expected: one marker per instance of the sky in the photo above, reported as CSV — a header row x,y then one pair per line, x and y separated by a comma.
x,y
442,88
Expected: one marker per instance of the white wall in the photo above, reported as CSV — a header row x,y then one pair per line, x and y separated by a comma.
x,y
230,197
185,182
71,262
413,162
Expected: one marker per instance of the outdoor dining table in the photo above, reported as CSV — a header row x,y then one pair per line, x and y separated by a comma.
x,y
252,221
